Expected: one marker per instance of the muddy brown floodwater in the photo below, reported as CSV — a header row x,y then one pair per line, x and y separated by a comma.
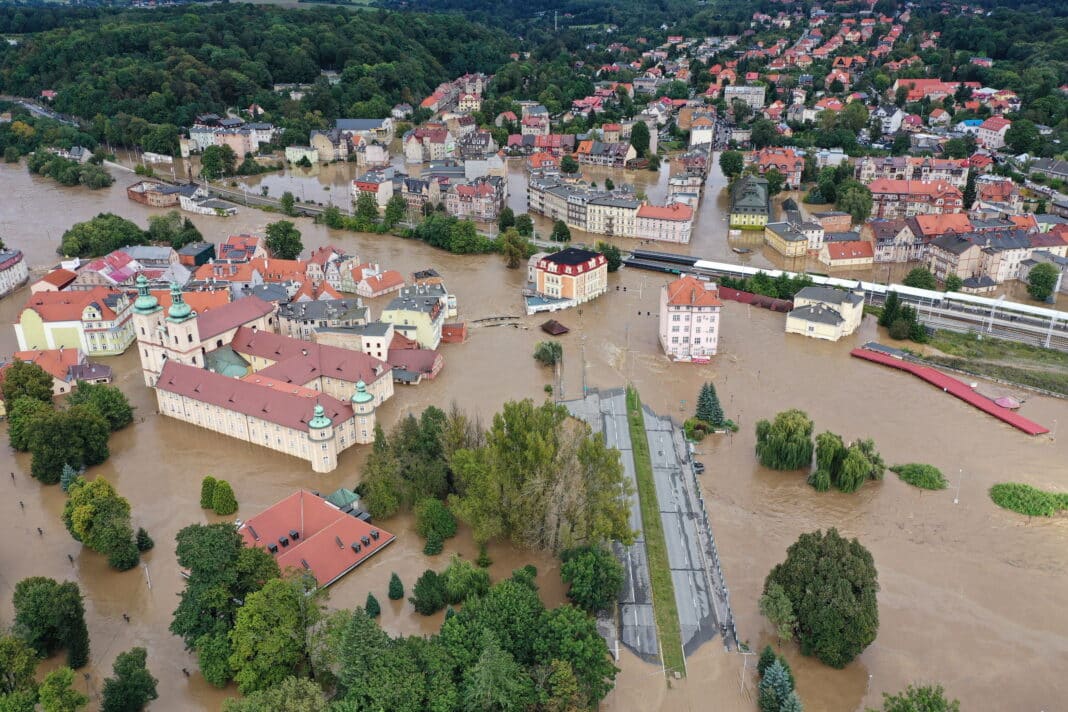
x,y
971,597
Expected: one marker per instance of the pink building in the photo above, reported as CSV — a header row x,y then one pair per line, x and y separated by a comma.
x,y
689,319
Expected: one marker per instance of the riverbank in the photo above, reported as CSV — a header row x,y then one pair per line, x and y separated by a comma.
x,y
1008,362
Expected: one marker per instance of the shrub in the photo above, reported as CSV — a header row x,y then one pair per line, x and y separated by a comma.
x,y
696,429
919,475
207,492
547,353
428,594
483,561
1025,499
396,588
433,545
372,607
144,541
462,580
433,518
594,575
900,329
223,500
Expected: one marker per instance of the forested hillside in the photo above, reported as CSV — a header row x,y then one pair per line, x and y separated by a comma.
x,y
166,65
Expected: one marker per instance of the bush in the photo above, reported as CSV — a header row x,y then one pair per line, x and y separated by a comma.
x,y
433,518
371,606
463,580
696,429
124,555
483,561
900,329
207,492
786,443
428,595
1025,499
396,588
144,541
594,575
547,353
223,500
434,545
919,475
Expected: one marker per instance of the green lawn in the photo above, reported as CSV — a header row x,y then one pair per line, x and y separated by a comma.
x,y
664,608
990,349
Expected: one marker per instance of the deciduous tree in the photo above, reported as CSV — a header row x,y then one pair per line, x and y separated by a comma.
x,y
133,686
27,380
1042,280
594,575
283,240
57,693
786,442
50,616
109,401
927,698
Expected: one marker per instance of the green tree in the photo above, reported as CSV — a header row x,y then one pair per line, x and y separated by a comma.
x,y
217,161
143,540
764,134
612,255
433,517
462,580
731,163
855,199
27,380
97,516
571,635
524,224
776,607
514,247
50,616
133,686
372,606
594,576
109,401
970,193
708,406
891,309
287,203
832,585
57,693
428,594
561,232
22,416
791,703
774,688
767,657
18,661
293,694
785,443
332,217
548,353
207,492
854,116
396,210
569,165
496,683
776,180
283,240
213,655
1022,136
269,641
366,209
953,283
222,498
639,139
920,278
505,219
927,698
396,588
1042,280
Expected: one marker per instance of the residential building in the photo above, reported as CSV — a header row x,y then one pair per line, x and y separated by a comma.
x,y
377,283
834,220
195,254
432,142
825,313
301,320
669,223
242,248
55,281
689,319
753,96
906,198
13,271
786,238
892,240
67,367
852,253
953,254
992,133
912,168
481,199
330,145
418,313
571,274
295,154
750,204
307,532
154,194
890,118
380,130
96,320
702,130
790,164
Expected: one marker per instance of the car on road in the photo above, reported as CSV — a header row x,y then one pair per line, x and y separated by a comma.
x,y
699,467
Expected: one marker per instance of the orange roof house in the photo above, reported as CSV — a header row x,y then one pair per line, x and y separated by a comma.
x,y
689,291
307,533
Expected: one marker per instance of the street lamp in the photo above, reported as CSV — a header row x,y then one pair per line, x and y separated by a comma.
x,y
960,477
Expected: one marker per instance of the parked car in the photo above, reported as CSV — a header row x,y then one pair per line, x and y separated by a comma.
x,y
699,467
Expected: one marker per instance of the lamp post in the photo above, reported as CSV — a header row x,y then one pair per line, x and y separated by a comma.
x,y
960,477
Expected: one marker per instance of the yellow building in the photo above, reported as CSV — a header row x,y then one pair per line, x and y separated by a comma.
x,y
572,274
750,204
825,313
418,312
97,321
785,239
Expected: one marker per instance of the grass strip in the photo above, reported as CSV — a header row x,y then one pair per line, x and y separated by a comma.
x,y
988,348
665,610
919,475
1025,499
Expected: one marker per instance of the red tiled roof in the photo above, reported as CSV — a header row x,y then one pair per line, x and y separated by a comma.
x,y
289,406
689,291
390,279
301,362
414,360
200,301
675,211
59,278
852,250
228,316
320,526
68,306
932,225
56,362
913,187
995,123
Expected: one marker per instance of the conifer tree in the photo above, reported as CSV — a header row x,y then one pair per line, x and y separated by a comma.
x,y
67,476
371,606
396,588
223,500
207,492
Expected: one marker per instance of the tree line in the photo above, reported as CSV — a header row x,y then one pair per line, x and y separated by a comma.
x,y
108,232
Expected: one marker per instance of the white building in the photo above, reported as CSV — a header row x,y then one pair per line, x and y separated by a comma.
x,y
13,272
825,313
689,319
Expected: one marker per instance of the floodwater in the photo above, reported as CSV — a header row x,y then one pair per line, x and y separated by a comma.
x,y
971,597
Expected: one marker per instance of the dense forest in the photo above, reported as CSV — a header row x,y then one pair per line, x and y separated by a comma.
x,y
167,65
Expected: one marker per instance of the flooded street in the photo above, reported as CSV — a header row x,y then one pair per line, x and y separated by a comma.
x,y
971,597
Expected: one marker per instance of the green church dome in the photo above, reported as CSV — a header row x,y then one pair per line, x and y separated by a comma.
x,y
145,302
319,421
361,395
179,311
